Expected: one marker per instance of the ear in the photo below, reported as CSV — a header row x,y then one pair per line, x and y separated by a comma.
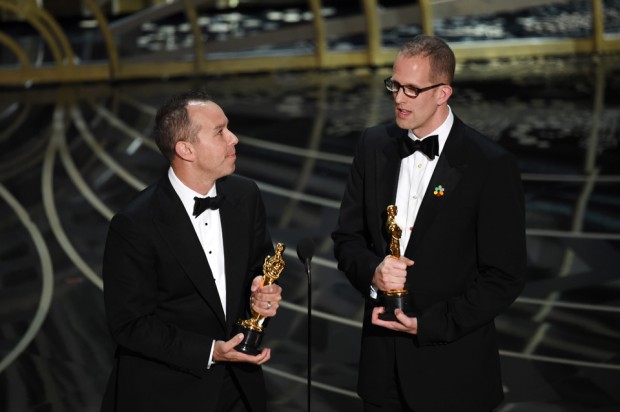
x,y
184,150
445,92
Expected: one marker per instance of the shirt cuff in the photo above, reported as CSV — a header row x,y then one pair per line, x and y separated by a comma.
x,y
211,361
373,292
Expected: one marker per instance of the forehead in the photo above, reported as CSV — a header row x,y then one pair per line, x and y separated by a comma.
x,y
206,114
411,69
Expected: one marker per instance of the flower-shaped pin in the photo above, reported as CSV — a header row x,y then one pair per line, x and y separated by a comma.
x,y
439,191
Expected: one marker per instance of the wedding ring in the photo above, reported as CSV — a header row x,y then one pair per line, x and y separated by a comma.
x,y
268,305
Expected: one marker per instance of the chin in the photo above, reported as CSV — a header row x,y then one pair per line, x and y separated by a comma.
x,y
402,124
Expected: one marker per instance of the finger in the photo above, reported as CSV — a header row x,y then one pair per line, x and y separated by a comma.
x,y
270,292
255,305
230,344
257,359
267,302
274,290
265,355
260,307
262,298
408,261
257,282
384,323
402,319
271,288
393,265
225,351
376,312
410,323
270,308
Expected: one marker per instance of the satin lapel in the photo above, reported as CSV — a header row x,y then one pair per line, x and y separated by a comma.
x,y
178,233
388,169
234,221
447,174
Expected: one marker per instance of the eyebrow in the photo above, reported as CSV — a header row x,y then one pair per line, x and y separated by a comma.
x,y
221,126
406,85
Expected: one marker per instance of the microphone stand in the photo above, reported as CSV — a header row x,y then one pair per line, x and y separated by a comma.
x,y
305,250
308,272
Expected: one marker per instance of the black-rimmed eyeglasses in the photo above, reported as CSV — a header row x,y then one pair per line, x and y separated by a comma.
x,y
409,91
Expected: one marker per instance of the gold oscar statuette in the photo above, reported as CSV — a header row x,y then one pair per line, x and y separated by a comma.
x,y
395,298
253,328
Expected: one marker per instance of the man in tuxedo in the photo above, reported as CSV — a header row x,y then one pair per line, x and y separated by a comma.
x,y
182,263
461,211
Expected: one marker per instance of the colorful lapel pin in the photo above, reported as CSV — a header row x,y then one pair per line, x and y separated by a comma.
x,y
439,191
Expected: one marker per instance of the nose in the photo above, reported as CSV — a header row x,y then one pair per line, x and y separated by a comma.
x,y
400,93
233,139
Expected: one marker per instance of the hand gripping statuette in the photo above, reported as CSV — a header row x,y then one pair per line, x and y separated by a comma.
x,y
395,298
253,328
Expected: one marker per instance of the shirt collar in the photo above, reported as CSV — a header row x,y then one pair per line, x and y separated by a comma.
x,y
442,131
185,193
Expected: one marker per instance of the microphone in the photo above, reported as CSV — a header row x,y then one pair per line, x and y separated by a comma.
x,y
305,250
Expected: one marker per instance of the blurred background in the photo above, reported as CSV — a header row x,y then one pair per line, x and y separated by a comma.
x,y
80,82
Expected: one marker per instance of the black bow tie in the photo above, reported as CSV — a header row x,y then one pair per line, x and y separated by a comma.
x,y
203,203
429,146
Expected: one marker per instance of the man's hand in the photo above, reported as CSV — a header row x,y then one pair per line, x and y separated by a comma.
x,y
265,300
391,274
403,322
225,352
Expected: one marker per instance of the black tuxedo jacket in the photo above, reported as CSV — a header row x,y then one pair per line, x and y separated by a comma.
x,y
469,253
162,304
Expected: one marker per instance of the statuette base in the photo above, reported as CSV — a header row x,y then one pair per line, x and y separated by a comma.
x,y
392,302
251,340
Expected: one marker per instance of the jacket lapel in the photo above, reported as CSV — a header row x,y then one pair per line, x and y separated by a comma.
x,y
388,169
447,174
178,233
234,219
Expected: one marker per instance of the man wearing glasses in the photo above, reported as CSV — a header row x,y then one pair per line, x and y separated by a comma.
x,y
462,250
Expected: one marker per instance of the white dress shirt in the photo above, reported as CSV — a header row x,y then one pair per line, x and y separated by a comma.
x,y
416,171
208,228
415,174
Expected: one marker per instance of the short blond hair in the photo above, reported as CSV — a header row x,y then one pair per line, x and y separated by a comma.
x,y
441,56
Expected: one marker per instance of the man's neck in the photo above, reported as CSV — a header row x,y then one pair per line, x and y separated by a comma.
x,y
197,184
